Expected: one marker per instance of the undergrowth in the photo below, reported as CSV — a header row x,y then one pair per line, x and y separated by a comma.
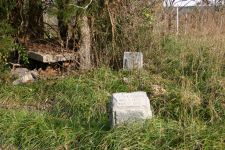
x,y
71,112
77,116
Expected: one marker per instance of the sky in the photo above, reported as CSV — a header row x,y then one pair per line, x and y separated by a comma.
x,y
183,3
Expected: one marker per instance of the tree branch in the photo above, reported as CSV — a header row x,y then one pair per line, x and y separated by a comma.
x,y
84,8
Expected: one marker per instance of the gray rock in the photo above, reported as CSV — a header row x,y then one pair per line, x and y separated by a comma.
x,y
129,107
132,60
19,72
24,79
23,75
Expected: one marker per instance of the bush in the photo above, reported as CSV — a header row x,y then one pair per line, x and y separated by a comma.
x,y
6,41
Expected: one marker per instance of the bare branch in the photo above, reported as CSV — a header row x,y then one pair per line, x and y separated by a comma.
x,y
84,8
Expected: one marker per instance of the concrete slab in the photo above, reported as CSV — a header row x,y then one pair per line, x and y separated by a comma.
x,y
51,58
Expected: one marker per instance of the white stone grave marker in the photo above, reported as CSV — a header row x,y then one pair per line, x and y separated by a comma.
x,y
129,107
132,60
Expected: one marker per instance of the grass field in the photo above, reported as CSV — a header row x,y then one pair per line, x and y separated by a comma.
x,y
71,112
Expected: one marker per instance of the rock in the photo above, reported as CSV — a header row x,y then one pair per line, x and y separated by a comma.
x,y
19,72
129,107
23,75
34,74
132,60
24,79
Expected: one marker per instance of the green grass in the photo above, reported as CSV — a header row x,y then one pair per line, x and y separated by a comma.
x,y
71,113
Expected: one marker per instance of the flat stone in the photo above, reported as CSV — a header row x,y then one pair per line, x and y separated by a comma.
x,y
51,58
132,60
129,107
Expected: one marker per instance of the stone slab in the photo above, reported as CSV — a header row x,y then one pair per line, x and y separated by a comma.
x,y
132,60
51,58
129,107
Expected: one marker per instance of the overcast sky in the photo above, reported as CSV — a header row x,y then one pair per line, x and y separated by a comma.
x,y
183,3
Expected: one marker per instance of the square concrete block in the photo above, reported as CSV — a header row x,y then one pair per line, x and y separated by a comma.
x,y
132,60
129,107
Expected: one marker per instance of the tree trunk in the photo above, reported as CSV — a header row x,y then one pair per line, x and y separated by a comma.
x,y
35,17
85,44
63,30
62,25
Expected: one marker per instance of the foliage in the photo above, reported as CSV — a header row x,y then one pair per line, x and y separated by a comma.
x,y
4,74
8,45
23,56
6,41
8,33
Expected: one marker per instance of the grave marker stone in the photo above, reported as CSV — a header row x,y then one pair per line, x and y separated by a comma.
x,y
132,60
129,107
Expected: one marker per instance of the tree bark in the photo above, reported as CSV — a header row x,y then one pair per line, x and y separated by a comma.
x,y
62,25
35,17
85,44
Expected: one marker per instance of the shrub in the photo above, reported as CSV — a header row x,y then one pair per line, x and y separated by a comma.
x,y
6,41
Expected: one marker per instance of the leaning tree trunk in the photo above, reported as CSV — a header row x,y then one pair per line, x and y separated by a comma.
x,y
85,44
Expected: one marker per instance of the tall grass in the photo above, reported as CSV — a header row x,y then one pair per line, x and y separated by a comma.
x,y
77,117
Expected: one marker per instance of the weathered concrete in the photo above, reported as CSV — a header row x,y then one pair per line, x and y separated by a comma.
x,y
132,60
129,107
51,58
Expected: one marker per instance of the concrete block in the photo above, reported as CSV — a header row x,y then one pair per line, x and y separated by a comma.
x,y
51,58
132,60
129,107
